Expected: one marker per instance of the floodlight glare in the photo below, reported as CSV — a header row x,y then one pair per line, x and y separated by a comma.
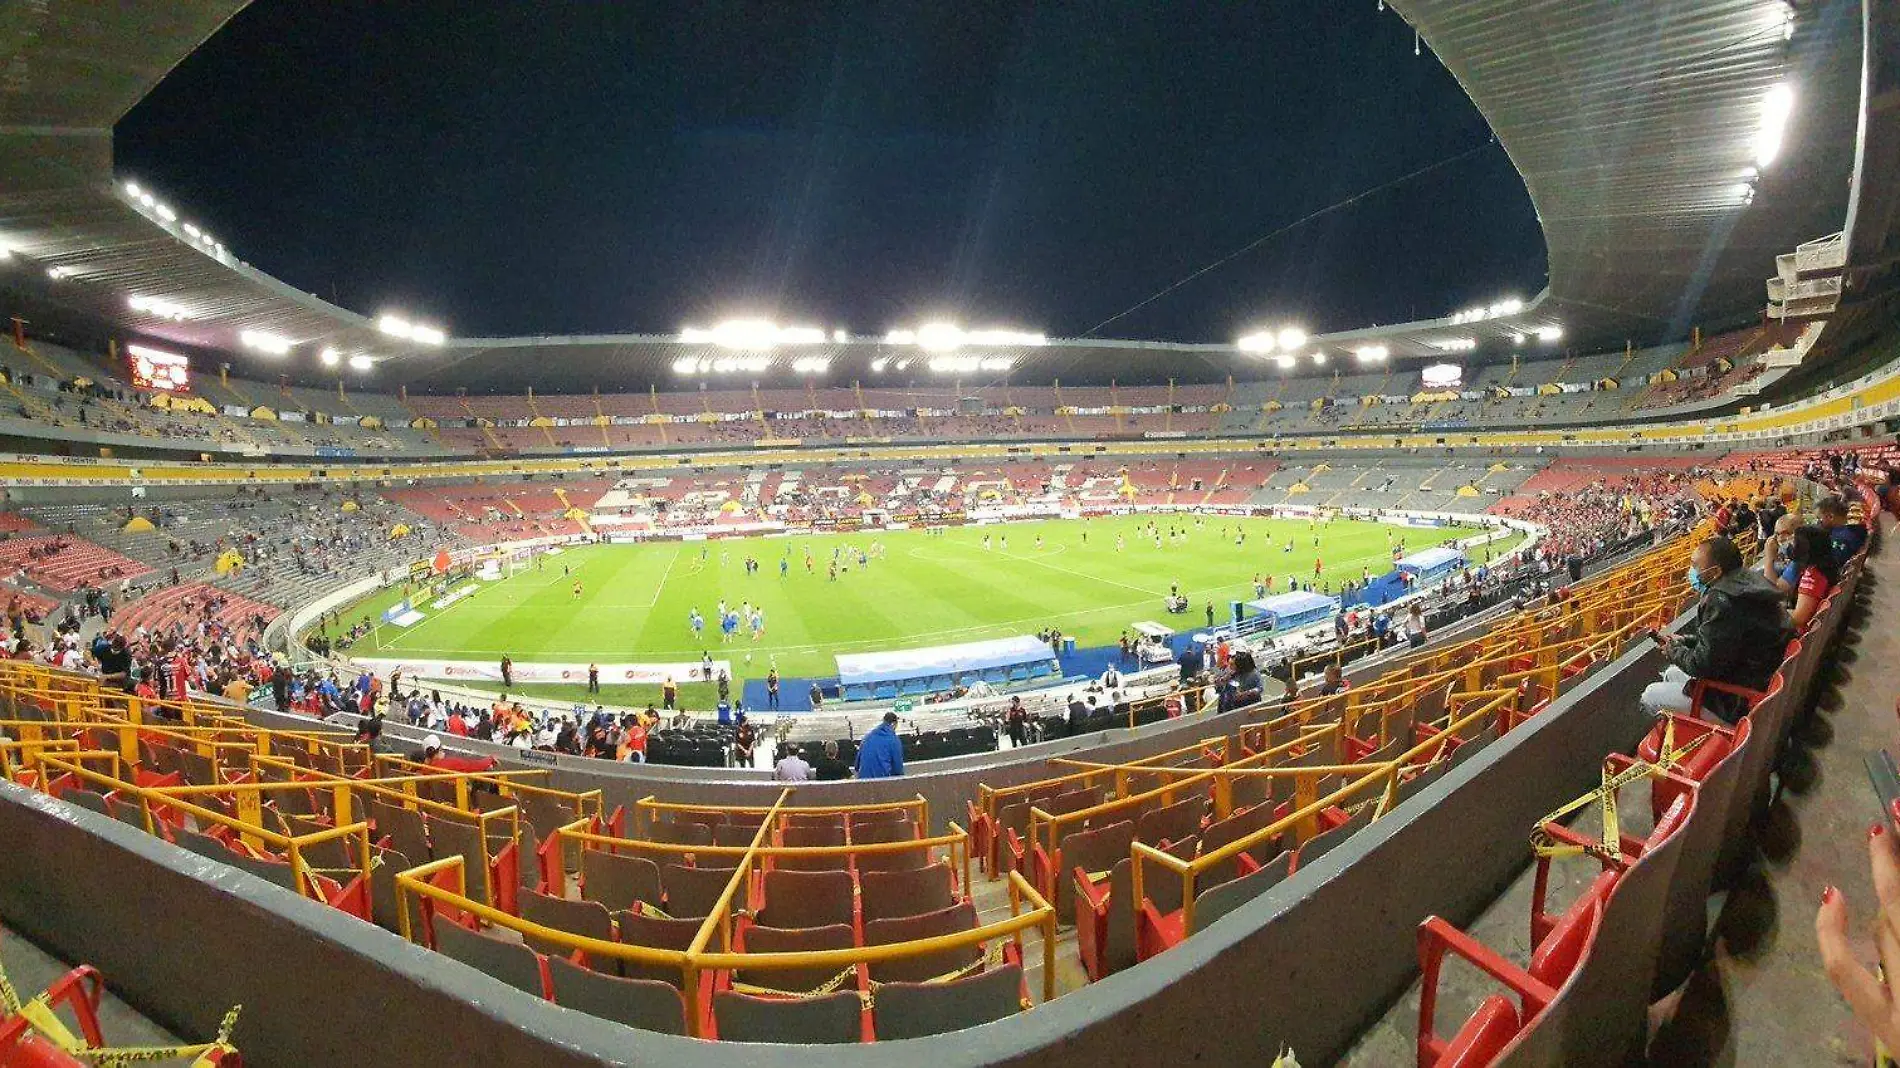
x,y
1285,360
940,337
155,306
132,190
1258,343
1371,353
360,362
397,326
1319,358
1291,338
1776,107
265,342
1550,333
329,357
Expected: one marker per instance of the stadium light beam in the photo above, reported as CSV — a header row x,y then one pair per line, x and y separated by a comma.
x,y
397,326
1371,353
1258,343
329,357
158,307
1776,108
265,342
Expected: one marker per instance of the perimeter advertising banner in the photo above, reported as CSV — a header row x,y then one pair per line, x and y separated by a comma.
x,y
490,670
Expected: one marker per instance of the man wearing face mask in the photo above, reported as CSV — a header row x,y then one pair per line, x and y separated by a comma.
x,y
1738,635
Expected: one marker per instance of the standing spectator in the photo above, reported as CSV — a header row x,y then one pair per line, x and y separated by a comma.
x,y
1016,721
881,753
593,678
771,689
507,672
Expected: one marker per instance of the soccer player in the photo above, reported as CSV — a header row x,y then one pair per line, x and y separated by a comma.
x,y
784,566
1316,566
697,622
728,626
577,589
758,624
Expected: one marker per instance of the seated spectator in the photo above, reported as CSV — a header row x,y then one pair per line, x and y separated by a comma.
x,y
790,767
830,767
1811,573
1737,637
1335,682
1848,534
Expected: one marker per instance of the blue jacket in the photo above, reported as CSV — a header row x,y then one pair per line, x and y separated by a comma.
x,y
881,753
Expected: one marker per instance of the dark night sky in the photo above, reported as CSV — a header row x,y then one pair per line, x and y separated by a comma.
x,y
552,167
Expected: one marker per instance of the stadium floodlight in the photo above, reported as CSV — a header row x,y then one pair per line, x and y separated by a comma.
x,y
752,335
132,190
1292,338
1455,344
360,362
266,342
165,212
1319,358
841,337
329,356
397,326
6,252
901,337
685,365
147,199
811,365
1285,360
159,307
57,273
878,365
1371,353
1258,343
1776,108
1548,334
940,337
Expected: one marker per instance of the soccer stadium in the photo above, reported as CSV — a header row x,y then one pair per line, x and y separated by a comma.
x,y
1358,683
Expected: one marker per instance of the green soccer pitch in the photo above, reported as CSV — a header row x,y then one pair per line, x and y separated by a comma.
x,y
1089,577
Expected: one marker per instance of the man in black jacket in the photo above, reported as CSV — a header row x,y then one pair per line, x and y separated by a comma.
x,y
1738,635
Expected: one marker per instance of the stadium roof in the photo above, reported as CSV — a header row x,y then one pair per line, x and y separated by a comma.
x,y
1634,126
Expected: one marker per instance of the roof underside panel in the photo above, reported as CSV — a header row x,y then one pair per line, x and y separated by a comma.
x,y
1634,126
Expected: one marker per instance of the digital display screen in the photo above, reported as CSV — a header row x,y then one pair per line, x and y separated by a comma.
x,y
1443,375
158,370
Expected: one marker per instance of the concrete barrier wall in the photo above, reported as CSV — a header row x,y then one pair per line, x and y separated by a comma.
x,y
1307,965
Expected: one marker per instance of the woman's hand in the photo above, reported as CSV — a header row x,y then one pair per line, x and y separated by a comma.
x,y
1870,997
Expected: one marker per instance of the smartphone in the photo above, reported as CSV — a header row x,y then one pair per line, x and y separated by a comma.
x,y
1885,779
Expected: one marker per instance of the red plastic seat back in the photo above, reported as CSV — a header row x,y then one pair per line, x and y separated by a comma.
x,y
1563,948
